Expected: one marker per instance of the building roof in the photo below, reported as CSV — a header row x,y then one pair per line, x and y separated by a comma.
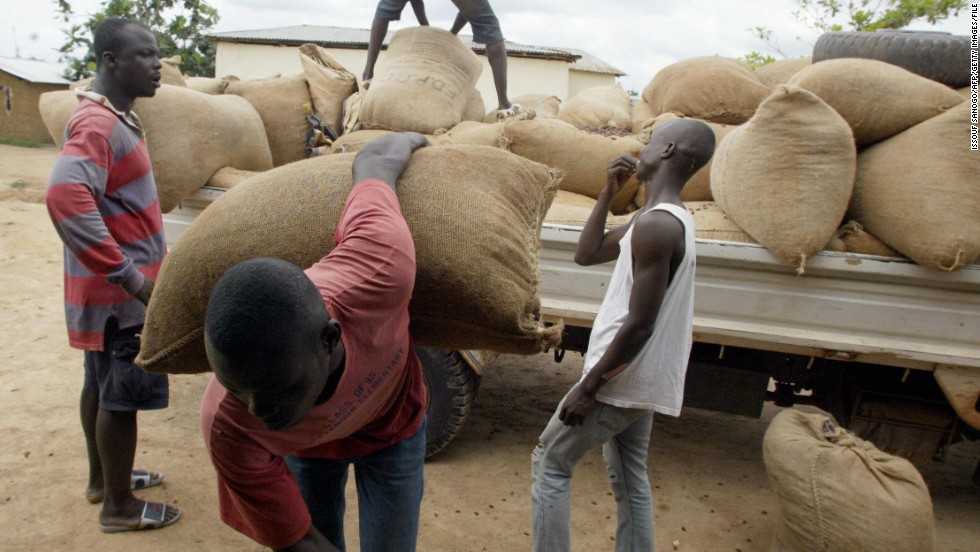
x,y
345,37
31,70
589,63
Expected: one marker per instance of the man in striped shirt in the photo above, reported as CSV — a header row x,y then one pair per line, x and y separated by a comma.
x,y
103,201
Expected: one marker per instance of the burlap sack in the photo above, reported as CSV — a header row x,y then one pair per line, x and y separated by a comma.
x,y
189,135
877,99
355,141
543,105
582,156
779,72
716,89
330,84
477,134
170,72
640,113
283,103
599,106
917,191
422,83
352,113
966,92
857,240
571,209
207,85
475,109
786,176
698,187
229,177
476,286
838,492
711,223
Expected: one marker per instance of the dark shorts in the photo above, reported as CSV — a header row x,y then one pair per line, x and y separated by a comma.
x,y
479,14
122,386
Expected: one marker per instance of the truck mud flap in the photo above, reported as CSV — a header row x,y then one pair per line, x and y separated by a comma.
x,y
961,385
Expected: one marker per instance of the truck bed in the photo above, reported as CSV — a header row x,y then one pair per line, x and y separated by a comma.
x,y
846,306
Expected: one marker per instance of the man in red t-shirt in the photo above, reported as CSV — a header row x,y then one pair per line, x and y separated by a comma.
x,y
314,371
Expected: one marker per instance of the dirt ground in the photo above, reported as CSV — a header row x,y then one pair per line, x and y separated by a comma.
x,y
710,485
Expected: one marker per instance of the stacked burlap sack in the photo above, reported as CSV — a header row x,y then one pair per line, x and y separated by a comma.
x,y
190,136
837,491
475,216
423,83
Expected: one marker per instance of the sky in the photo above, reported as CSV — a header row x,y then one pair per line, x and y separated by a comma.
x,y
639,37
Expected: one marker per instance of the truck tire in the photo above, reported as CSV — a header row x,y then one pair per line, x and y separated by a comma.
x,y
942,57
451,386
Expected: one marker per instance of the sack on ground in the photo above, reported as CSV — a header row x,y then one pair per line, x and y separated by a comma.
x,y
786,176
837,491
917,191
640,113
283,103
600,107
877,99
422,82
189,136
716,89
476,286
582,156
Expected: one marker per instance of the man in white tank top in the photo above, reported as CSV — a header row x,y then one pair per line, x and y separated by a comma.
x,y
640,342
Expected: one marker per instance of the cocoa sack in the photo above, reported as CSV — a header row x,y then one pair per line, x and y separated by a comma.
x,y
837,491
330,84
600,107
786,176
877,99
917,191
189,135
422,82
583,157
716,89
283,103
476,286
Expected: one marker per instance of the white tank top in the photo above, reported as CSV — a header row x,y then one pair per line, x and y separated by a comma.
x,y
655,378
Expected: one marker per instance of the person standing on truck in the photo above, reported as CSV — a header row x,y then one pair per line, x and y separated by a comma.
x,y
103,202
314,371
640,343
486,30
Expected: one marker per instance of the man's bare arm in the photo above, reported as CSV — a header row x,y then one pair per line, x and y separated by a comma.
x,y
386,158
595,245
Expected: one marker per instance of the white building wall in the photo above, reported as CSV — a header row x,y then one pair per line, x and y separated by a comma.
x,y
524,75
580,80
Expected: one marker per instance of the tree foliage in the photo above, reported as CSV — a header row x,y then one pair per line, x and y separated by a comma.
x,y
823,16
179,25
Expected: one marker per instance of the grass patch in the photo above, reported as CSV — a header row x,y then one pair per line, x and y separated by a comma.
x,y
18,184
6,140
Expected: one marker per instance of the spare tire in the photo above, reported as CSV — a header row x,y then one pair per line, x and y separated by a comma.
x,y
940,56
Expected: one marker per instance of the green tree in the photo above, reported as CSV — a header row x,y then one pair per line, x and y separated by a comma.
x,y
856,15
179,25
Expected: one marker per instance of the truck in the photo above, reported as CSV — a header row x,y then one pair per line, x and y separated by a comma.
x,y
891,349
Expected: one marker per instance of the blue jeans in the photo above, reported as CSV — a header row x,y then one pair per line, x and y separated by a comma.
x,y
389,491
624,434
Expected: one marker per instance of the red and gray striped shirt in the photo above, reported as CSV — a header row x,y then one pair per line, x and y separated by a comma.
x,y
103,201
